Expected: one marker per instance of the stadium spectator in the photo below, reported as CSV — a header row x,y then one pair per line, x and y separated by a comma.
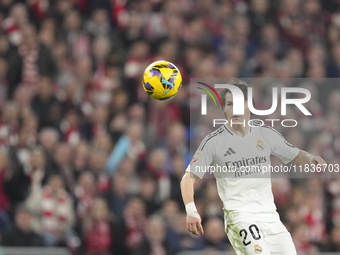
x,y
154,241
130,145
85,192
18,16
36,170
9,124
5,222
30,60
61,162
22,233
98,229
4,201
148,190
132,224
178,236
45,105
175,177
214,238
117,196
73,115
335,240
77,40
52,211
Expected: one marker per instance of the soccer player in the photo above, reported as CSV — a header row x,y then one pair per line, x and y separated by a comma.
x,y
252,223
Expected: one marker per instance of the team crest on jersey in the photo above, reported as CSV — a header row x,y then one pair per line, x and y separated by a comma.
x,y
257,249
260,145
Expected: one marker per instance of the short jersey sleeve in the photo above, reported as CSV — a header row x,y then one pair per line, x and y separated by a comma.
x,y
280,147
202,159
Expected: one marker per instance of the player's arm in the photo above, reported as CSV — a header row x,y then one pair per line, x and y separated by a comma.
x,y
203,157
288,153
304,158
193,218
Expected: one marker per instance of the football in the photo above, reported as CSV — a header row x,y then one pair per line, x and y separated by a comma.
x,y
162,80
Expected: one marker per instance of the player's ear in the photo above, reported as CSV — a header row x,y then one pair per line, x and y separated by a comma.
x,y
252,114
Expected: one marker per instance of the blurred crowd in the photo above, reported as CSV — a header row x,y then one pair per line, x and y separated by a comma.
x,y
88,161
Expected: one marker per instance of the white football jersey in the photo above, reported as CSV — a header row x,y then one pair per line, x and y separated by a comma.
x,y
238,164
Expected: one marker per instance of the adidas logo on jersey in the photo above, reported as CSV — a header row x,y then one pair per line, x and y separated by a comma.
x,y
229,152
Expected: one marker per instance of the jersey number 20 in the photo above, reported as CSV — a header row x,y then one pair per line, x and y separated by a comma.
x,y
244,234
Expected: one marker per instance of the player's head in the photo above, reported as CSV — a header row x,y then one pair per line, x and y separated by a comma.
x,y
227,101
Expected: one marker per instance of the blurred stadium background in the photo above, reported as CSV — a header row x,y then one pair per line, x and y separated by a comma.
x,y
90,163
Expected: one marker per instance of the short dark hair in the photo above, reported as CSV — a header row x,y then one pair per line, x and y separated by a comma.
x,y
242,85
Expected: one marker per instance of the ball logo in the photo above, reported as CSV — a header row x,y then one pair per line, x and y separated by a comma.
x,y
260,145
170,84
257,248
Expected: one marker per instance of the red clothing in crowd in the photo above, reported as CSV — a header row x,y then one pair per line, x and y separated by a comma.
x,y
98,238
4,202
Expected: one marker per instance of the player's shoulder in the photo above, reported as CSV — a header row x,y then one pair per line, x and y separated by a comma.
x,y
213,137
265,129
216,133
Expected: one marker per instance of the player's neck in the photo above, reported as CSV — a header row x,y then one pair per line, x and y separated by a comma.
x,y
239,129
